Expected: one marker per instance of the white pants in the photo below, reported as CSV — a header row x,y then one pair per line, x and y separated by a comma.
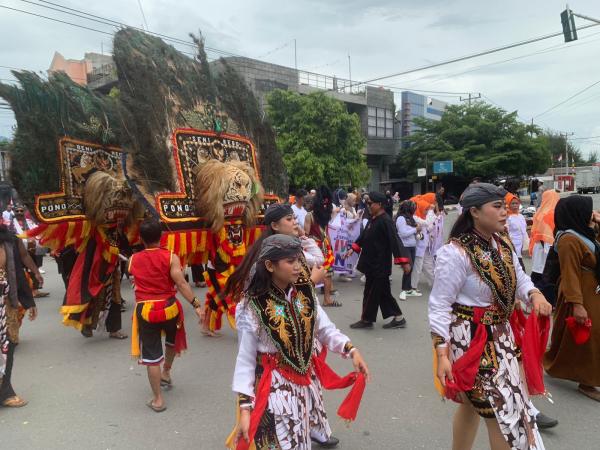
x,y
424,265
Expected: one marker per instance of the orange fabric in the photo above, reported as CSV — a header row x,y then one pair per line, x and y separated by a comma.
x,y
429,197
423,202
543,220
508,199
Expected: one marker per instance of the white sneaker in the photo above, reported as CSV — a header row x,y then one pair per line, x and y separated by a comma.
x,y
402,296
414,293
363,279
42,271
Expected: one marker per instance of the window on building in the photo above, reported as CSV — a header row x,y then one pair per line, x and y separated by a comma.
x,y
380,123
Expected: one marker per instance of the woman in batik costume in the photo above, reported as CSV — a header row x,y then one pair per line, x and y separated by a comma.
x,y
477,281
280,324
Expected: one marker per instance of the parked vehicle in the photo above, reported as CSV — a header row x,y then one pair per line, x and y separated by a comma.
x,y
588,180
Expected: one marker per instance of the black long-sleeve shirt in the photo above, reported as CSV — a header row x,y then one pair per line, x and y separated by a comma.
x,y
376,244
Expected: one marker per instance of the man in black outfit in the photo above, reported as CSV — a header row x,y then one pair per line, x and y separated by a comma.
x,y
376,244
439,198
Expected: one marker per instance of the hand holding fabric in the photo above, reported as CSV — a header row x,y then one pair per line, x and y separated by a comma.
x,y
243,426
444,369
580,313
541,307
360,365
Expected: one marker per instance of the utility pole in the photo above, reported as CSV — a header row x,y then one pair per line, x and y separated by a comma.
x,y
426,172
350,72
566,136
470,98
295,55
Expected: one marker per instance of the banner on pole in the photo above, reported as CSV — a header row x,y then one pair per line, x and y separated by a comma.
x,y
342,234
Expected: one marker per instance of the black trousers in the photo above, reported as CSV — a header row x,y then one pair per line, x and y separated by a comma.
x,y
113,319
6,389
197,271
407,277
378,294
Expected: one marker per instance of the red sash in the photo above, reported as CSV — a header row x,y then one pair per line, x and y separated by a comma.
x,y
328,378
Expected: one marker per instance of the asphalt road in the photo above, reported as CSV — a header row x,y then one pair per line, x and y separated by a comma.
x,y
88,393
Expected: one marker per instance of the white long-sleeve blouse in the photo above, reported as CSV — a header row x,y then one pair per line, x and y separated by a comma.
x,y
456,281
253,339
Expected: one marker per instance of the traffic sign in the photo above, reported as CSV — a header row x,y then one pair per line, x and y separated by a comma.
x,y
421,172
443,166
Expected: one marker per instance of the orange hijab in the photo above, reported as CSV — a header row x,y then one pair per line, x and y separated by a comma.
x,y
508,199
543,220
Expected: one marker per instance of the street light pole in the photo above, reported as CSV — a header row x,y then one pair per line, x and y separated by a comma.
x,y
426,172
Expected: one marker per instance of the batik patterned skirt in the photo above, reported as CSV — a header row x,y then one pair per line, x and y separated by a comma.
x,y
499,392
3,324
292,413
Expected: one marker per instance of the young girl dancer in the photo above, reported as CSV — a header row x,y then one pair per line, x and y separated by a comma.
x,y
280,326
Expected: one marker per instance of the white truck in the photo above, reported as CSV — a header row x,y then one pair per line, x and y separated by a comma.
x,y
587,180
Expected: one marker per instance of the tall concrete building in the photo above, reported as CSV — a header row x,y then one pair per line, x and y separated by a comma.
x,y
374,106
416,105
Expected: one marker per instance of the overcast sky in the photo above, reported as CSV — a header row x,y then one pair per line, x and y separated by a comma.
x,y
382,36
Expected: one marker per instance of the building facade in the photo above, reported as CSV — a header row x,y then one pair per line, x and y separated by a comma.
x,y
374,106
95,70
414,105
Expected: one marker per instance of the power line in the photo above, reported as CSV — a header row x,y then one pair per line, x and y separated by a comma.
x,y
281,47
566,100
473,55
143,15
121,24
55,20
113,23
585,138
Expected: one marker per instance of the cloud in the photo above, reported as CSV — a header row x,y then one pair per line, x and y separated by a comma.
x,y
382,37
461,21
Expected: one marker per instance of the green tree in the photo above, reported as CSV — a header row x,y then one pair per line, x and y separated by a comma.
x,y
481,139
592,158
556,143
320,141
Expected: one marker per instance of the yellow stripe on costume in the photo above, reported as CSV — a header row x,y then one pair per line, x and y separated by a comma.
x,y
194,240
171,242
73,309
182,244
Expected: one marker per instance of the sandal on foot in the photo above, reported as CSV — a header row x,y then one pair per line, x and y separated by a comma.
x,y
117,335
590,392
87,332
332,304
213,334
156,408
14,402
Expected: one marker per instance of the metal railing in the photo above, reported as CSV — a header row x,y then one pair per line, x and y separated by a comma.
x,y
329,83
106,73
